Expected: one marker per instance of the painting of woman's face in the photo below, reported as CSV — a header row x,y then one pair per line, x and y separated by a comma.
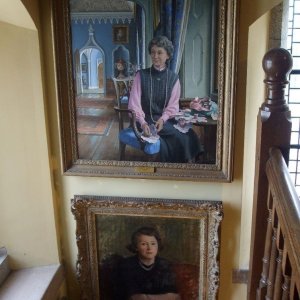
x,y
120,66
159,56
147,247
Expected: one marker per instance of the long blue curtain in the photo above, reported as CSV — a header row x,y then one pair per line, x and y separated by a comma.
x,y
140,37
173,22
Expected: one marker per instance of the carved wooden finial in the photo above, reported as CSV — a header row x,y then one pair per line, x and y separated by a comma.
x,y
277,64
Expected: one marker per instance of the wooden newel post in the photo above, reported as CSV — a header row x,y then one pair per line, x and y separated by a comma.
x,y
273,130
277,64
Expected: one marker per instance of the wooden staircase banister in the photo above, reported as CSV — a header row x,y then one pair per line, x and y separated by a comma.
x,y
287,206
273,130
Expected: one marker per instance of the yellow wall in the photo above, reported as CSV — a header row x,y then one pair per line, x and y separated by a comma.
x,y
258,40
27,224
14,12
30,176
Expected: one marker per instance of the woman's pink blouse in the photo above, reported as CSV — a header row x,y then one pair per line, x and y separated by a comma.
x,y
135,101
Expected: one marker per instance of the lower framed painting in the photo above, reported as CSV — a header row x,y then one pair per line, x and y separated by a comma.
x,y
146,248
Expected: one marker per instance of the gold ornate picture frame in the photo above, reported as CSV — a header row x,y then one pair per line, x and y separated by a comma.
x,y
189,232
223,85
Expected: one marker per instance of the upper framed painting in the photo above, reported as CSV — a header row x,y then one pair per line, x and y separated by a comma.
x,y
88,41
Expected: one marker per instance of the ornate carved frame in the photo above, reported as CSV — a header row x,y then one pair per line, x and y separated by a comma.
x,y
226,76
86,209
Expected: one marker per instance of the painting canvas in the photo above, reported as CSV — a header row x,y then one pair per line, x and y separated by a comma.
x,y
187,249
120,34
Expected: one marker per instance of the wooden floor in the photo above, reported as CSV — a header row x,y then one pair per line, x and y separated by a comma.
x,y
105,146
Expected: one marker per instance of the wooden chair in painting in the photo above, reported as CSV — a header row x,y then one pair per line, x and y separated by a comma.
x,y
129,134
122,89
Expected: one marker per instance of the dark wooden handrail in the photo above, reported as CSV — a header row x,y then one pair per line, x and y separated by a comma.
x,y
280,277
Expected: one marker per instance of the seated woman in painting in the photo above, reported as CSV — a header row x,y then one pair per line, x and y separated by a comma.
x,y
154,98
145,275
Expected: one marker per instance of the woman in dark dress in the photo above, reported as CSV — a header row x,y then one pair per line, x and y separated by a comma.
x,y
145,275
154,97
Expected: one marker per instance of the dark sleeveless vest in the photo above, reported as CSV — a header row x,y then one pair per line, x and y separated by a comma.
x,y
156,88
